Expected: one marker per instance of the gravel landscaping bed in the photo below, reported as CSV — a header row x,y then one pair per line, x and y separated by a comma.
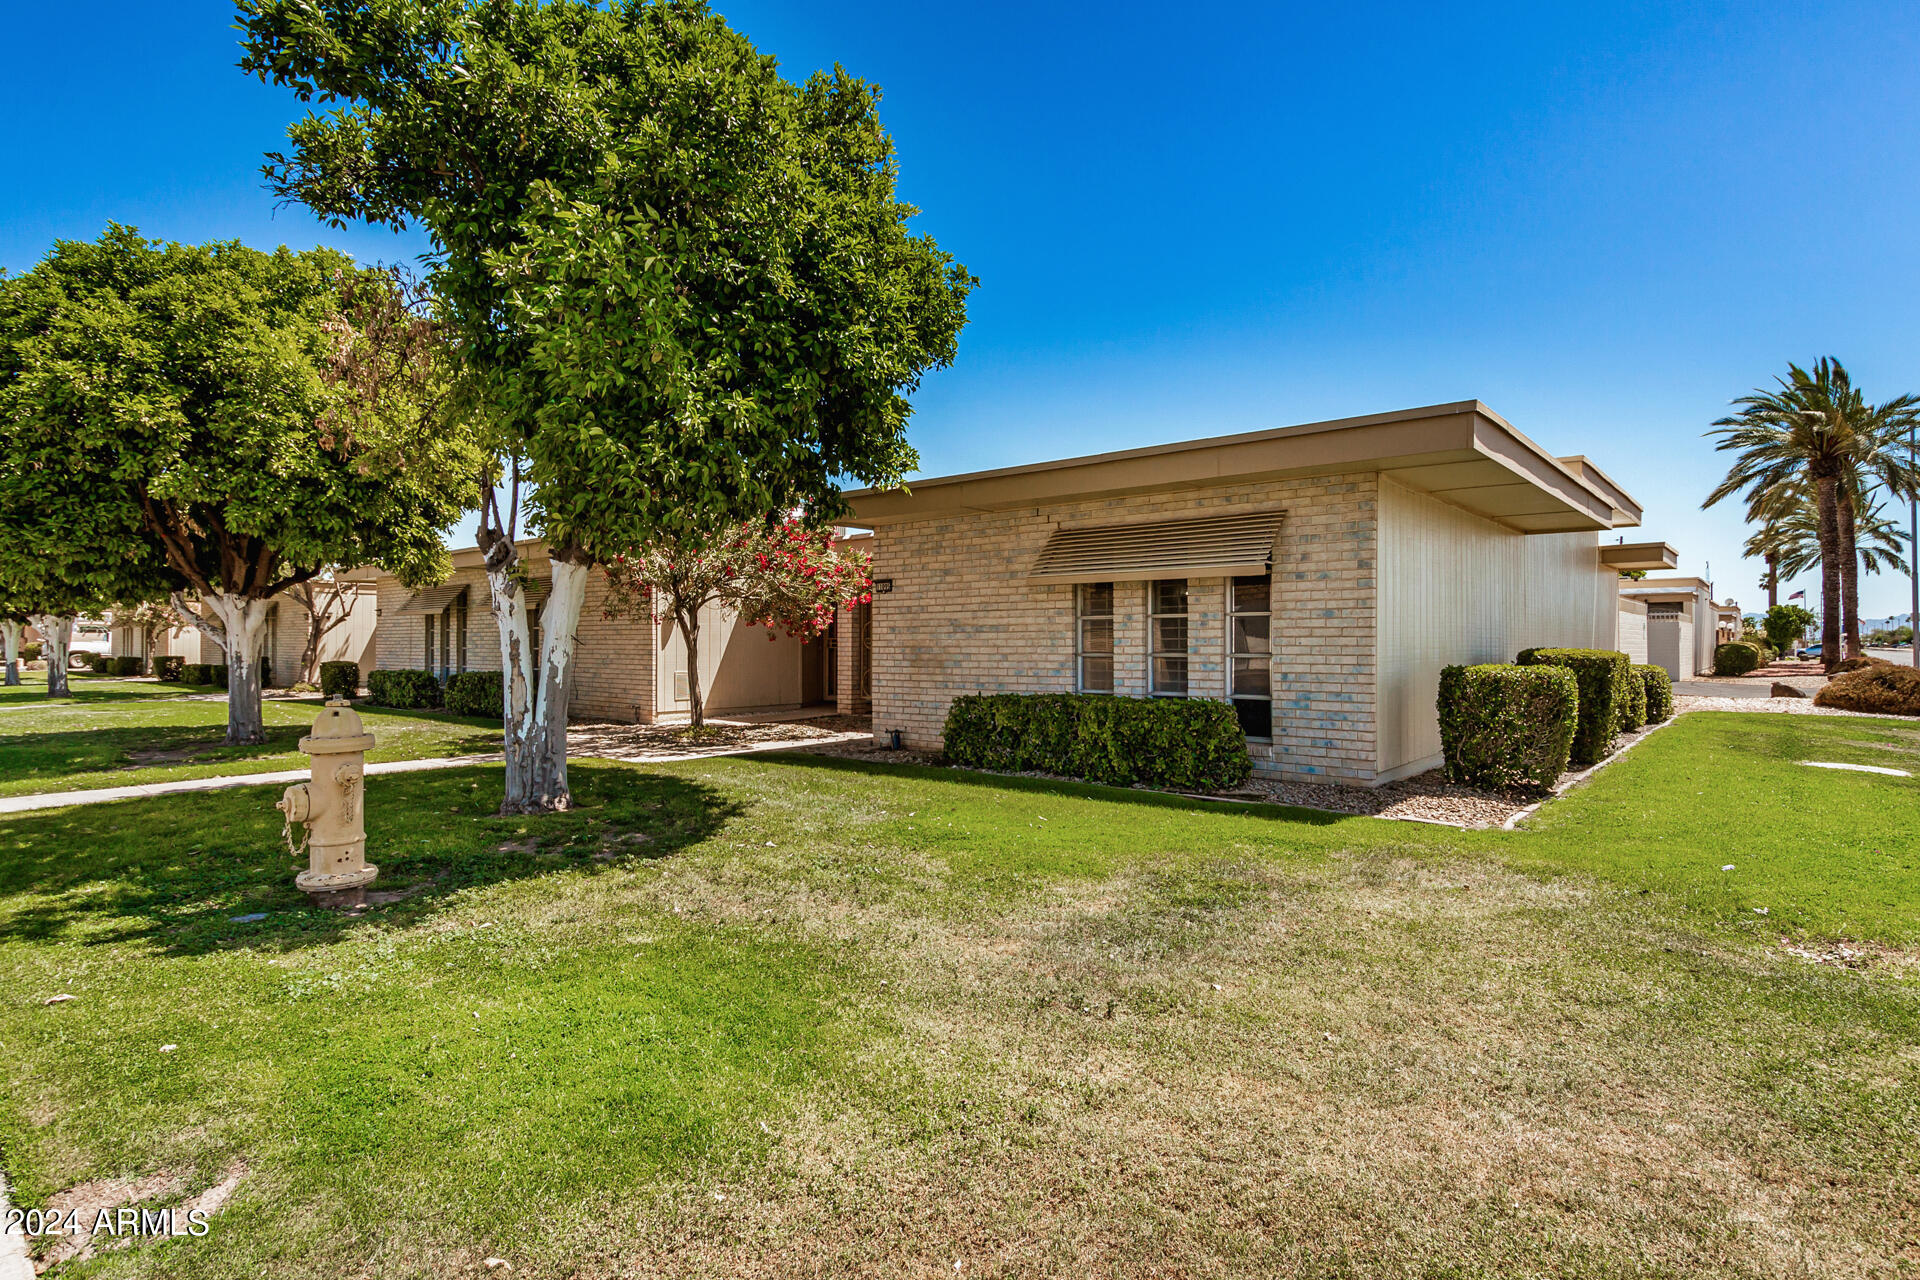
x,y
1793,706
1427,797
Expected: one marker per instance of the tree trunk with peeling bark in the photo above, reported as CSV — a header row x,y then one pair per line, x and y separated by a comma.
x,y
239,628
56,634
12,627
507,598
559,623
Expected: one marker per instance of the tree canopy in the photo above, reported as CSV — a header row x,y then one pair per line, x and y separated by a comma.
x,y
682,287
167,425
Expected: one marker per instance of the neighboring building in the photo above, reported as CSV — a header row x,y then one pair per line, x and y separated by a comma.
x,y
1318,577
351,641
1683,623
1631,636
623,670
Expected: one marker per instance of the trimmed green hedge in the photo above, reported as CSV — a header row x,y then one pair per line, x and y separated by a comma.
x,y
475,693
1187,744
1507,728
167,666
1736,658
403,688
29,653
1602,674
1659,691
217,673
340,679
126,666
196,673
1633,713
97,663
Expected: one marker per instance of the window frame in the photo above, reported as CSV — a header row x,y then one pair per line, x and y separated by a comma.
x,y
1234,613
1081,617
1155,652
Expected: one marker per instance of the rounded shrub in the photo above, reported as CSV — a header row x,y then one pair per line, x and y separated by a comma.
x,y
1858,664
1735,658
403,688
1633,715
474,693
29,653
1882,689
1185,744
167,666
1603,676
98,663
1658,686
340,679
1508,728
196,673
217,674
126,666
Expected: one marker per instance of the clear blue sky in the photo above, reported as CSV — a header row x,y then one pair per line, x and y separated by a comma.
x,y
1603,220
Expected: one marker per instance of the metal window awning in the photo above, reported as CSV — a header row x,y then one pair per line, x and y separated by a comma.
x,y
434,600
1206,547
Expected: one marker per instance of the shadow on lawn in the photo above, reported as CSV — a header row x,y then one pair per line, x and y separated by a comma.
x,y
1056,786
57,756
175,870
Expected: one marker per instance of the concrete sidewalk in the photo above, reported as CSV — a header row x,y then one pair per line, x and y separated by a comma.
x,y
14,1263
280,777
284,777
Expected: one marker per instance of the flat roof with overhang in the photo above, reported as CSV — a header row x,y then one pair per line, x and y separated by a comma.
x,y
1643,556
1462,453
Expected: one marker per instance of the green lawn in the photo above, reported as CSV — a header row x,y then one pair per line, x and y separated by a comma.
x,y
793,1016
88,689
98,742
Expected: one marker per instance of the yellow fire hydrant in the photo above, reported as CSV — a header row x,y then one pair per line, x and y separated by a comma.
x,y
331,805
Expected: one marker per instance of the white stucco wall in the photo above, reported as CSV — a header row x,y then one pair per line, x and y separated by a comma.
x,y
1456,588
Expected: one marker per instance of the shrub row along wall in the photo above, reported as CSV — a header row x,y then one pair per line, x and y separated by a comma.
x,y
340,679
1602,676
1659,692
1507,728
1189,744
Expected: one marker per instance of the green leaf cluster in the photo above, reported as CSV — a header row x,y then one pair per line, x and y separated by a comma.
x,y
683,286
1602,676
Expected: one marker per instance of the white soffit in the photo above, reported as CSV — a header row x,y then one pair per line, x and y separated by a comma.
x,y
1218,546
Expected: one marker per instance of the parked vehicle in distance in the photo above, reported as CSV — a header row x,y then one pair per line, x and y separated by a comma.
x,y
1811,651
90,635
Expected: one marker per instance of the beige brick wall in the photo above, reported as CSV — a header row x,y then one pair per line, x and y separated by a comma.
x,y
963,618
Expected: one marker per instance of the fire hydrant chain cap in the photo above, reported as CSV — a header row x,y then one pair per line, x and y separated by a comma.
x,y
337,731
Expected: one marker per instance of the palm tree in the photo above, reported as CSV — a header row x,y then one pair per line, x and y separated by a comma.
x,y
1790,537
1818,430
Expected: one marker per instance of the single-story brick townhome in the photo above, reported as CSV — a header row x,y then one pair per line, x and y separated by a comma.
x,y
1318,577
624,670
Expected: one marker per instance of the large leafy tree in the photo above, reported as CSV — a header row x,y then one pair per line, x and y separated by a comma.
x,y
681,285
784,576
167,426
1816,430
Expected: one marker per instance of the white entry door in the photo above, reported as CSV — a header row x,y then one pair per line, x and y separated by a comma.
x,y
1663,639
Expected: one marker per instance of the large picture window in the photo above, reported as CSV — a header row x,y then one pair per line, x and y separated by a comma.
x,y
1167,630
1250,629
1094,619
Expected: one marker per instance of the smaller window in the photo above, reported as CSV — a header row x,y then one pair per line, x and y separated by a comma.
x,y
427,660
1251,631
1167,632
1094,607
